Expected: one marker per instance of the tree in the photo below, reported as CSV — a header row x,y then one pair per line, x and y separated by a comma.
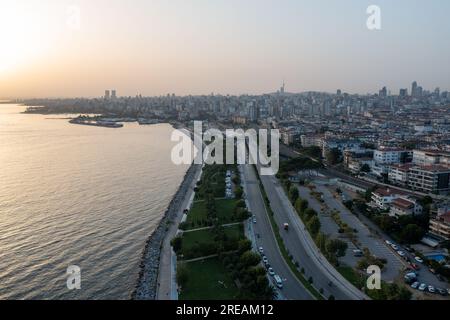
x,y
250,258
333,156
336,247
244,245
301,205
176,243
314,226
412,233
182,275
293,193
365,168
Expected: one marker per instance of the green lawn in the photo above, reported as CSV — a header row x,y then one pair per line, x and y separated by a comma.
x,y
203,282
202,241
197,214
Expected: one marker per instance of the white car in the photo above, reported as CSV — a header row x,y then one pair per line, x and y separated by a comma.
x,y
388,242
431,289
394,247
422,287
418,259
271,272
261,250
265,260
254,220
415,285
401,253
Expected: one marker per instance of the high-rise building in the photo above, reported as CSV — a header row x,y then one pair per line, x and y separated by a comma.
x,y
282,88
414,89
113,94
403,93
107,94
383,92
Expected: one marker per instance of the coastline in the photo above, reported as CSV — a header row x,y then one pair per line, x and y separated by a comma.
x,y
147,283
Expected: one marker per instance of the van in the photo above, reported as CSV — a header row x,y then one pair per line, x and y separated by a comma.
x,y
278,281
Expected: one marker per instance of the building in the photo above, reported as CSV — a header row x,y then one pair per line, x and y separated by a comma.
x,y
398,174
383,197
113,94
311,141
107,94
391,156
430,157
405,207
429,178
440,225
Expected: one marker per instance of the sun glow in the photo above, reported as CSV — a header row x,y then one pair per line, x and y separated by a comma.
x,y
22,34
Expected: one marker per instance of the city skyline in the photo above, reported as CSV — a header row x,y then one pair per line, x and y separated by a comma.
x,y
155,48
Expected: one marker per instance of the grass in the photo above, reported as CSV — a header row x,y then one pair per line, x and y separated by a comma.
x,y
352,276
197,214
206,237
208,280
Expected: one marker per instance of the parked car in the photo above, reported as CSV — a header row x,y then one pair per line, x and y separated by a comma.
x,y
418,259
265,260
415,266
431,289
395,247
388,242
271,272
442,292
415,285
422,287
278,281
254,220
401,253
261,250
409,249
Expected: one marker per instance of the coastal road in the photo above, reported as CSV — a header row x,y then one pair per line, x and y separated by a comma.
x,y
303,249
166,289
292,288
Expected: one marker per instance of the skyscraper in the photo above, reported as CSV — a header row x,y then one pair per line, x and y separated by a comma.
x,y
414,89
106,94
113,94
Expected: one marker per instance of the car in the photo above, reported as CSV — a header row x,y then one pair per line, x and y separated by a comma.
x,y
409,249
388,242
442,292
271,272
448,291
254,220
418,259
278,281
395,247
415,266
432,271
431,289
415,285
401,253
261,250
422,287
265,260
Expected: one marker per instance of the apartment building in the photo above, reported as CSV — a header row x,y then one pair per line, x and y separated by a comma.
x,y
383,197
429,178
440,225
405,207
391,156
430,157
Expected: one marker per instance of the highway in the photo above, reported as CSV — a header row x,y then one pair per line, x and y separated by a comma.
x,y
292,287
303,249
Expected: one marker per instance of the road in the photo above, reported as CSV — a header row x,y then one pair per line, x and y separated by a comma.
x,y
292,288
166,289
303,249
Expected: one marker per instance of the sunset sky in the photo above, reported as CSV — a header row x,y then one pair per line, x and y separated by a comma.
x,y
155,47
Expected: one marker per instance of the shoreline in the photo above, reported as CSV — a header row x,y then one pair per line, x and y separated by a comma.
x,y
147,282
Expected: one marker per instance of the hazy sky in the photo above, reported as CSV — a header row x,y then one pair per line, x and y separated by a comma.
x,y
156,47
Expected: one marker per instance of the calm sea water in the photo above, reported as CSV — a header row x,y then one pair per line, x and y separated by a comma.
x,y
78,195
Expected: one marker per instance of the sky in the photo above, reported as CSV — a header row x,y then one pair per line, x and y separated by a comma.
x,y
62,48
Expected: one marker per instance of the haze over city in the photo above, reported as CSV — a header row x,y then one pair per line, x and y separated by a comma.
x,y
226,47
